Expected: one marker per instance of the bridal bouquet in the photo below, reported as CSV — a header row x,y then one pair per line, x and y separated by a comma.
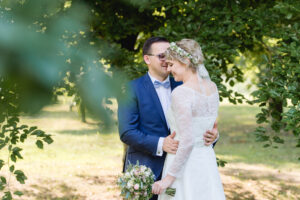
x,y
136,183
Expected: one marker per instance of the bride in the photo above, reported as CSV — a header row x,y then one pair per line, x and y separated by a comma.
x,y
192,171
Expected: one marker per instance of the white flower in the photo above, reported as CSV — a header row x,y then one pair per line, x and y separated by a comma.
x,y
136,186
127,175
147,173
129,184
143,168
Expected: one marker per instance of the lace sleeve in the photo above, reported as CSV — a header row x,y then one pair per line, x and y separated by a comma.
x,y
182,109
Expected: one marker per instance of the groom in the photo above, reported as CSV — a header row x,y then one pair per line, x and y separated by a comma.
x,y
142,123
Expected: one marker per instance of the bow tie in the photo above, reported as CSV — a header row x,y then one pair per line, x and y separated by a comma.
x,y
157,84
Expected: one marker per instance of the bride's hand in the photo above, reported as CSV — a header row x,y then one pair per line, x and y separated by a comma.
x,y
160,186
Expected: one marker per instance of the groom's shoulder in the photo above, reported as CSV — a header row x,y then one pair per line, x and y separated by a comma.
x,y
137,81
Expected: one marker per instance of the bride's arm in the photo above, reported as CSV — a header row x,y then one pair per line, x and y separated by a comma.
x,y
182,109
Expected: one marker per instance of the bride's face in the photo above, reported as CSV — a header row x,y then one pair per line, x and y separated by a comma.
x,y
177,68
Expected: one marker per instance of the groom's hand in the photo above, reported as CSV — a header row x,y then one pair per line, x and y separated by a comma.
x,y
170,145
211,135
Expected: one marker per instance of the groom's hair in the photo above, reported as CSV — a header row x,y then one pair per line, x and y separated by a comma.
x,y
150,41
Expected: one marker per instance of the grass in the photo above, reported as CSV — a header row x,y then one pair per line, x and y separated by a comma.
x,y
237,124
82,163
255,172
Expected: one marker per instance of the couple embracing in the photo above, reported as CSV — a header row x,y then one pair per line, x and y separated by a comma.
x,y
169,123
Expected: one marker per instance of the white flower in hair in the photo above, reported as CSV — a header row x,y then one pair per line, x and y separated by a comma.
x,y
183,53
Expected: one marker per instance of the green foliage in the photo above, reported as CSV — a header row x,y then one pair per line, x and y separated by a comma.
x,y
279,77
12,134
36,54
7,196
266,31
45,48
18,193
82,50
221,163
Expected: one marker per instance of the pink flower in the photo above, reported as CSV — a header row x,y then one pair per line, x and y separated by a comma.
x,y
136,186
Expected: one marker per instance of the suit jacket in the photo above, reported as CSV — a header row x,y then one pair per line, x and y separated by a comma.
x,y
142,123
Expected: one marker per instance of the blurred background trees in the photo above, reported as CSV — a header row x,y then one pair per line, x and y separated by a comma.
x,y
264,33
236,37
89,49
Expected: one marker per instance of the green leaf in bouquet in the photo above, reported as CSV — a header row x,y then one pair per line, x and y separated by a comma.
x,y
127,195
171,191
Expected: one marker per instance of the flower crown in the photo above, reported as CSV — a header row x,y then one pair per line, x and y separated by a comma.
x,y
183,53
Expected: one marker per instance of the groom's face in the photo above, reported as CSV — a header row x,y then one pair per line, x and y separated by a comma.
x,y
156,63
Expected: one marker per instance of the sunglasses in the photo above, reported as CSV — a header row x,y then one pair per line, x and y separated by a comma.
x,y
161,56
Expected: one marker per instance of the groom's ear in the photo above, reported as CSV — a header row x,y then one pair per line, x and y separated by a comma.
x,y
146,59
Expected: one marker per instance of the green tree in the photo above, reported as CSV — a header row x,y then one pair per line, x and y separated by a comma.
x,y
266,30
62,46
37,54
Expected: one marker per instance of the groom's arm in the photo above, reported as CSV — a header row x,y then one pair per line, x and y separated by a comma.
x,y
129,116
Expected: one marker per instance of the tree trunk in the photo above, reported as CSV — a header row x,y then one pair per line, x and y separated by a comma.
x,y
82,111
276,109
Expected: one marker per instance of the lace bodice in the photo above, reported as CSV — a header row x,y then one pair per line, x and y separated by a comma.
x,y
191,114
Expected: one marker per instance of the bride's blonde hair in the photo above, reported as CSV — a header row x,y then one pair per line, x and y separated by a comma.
x,y
191,47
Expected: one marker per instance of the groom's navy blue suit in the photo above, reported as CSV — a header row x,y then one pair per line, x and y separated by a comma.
x,y
142,123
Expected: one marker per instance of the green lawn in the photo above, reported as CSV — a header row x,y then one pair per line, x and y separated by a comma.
x,y
237,142
82,163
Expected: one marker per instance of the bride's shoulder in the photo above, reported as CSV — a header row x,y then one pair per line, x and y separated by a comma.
x,y
181,95
180,90
181,87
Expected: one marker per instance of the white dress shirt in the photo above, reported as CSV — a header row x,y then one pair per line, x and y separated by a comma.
x,y
164,95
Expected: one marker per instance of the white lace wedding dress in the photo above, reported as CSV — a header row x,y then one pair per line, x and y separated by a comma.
x,y
194,165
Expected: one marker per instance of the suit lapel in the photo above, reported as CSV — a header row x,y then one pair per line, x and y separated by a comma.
x,y
149,87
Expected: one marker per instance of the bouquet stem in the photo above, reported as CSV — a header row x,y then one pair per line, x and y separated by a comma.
x,y
171,191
